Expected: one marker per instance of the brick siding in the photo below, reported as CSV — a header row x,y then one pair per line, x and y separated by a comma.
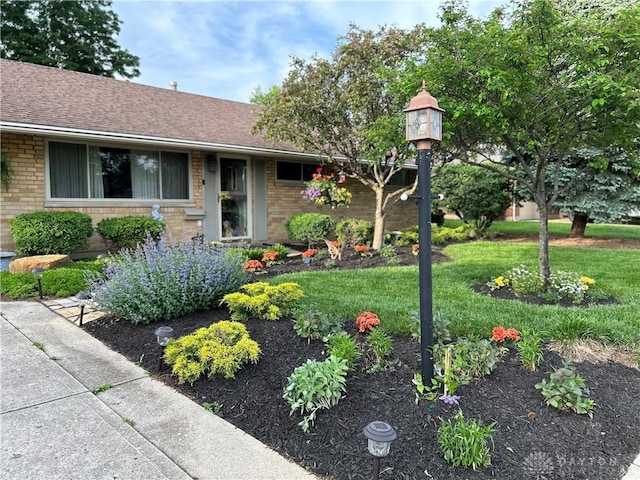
x,y
27,193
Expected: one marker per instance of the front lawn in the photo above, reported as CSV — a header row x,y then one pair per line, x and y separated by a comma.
x,y
392,293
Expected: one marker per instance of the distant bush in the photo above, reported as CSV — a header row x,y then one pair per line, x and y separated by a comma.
x,y
309,227
44,233
217,351
354,231
130,231
156,281
466,231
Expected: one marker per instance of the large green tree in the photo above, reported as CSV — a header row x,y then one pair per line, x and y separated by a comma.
x,y
343,109
535,79
78,35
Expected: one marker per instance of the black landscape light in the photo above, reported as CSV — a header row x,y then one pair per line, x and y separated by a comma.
x,y
37,273
379,435
424,126
84,299
163,335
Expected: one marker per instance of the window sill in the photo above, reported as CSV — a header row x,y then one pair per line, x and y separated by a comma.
x,y
125,202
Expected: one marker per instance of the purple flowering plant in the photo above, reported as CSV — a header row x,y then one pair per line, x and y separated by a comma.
x,y
323,189
158,280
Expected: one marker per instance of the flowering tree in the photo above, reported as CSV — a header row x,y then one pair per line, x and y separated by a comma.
x,y
345,110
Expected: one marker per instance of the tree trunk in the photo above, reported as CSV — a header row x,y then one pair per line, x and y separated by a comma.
x,y
378,226
543,241
578,225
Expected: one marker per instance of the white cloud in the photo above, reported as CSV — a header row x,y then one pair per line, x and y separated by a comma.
x,y
226,48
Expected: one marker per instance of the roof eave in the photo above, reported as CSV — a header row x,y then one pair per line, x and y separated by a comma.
x,y
80,134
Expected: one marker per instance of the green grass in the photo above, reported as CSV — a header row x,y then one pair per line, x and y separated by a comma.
x,y
563,228
392,292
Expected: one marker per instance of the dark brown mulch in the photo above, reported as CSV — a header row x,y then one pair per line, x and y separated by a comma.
x,y
532,441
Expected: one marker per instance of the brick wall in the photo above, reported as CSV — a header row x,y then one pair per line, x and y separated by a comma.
x,y
283,201
27,193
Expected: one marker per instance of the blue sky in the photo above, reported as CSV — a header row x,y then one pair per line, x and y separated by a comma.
x,y
225,49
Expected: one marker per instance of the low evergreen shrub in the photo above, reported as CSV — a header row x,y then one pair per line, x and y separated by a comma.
x,y
309,227
44,233
219,350
264,301
18,285
130,231
156,281
63,282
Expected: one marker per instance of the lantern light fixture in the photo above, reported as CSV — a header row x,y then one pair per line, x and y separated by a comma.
x,y
380,435
37,273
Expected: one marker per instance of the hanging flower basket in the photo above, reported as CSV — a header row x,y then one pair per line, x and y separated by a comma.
x,y
324,190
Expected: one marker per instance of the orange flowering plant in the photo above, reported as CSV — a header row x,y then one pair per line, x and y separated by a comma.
x,y
309,253
500,334
270,257
415,248
252,266
367,321
363,250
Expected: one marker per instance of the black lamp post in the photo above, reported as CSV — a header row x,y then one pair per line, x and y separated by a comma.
x,y
163,335
379,435
423,126
37,272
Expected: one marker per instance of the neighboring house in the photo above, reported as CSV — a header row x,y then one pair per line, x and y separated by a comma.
x,y
112,148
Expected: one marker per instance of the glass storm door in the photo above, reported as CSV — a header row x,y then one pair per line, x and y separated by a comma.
x,y
233,199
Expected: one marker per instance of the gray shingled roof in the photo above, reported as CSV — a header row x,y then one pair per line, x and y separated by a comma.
x,y
47,96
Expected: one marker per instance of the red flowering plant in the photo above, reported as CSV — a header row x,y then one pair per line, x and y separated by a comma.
x,y
363,250
270,257
323,189
500,334
367,321
415,248
252,266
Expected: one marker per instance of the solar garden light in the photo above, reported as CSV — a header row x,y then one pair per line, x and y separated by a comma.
x,y
163,335
379,435
37,273
424,126
84,299
108,244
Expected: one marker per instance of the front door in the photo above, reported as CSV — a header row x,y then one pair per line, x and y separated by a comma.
x,y
233,199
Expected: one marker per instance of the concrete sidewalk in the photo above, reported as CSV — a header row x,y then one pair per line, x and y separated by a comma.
x,y
53,427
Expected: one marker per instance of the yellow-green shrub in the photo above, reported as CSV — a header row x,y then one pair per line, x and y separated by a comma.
x,y
264,301
219,350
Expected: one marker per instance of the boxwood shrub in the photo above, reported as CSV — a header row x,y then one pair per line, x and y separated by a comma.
x,y
309,227
129,231
43,233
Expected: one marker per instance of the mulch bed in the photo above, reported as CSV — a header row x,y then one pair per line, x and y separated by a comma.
x,y
532,441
